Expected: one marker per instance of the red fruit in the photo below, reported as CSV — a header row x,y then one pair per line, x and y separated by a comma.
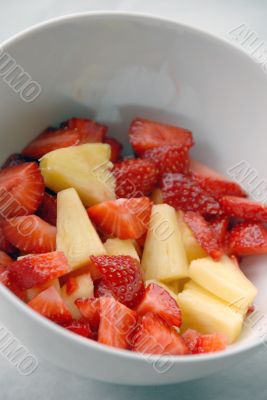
x,y
50,304
154,336
4,244
220,226
5,261
35,270
158,301
247,239
122,218
145,134
30,234
22,190
14,159
135,177
48,209
90,310
116,149
101,288
244,209
198,343
204,234
117,323
71,285
122,275
89,131
80,328
184,193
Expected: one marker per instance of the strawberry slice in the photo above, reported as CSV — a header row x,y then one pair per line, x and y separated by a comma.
x,y
184,193
158,301
247,239
154,336
50,304
135,177
15,159
117,323
198,343
116,149
80,328
122,275
89,131
35,270
90,310
220,226
204,234
244,209
122,218
146,134
22,190
5,261
48,209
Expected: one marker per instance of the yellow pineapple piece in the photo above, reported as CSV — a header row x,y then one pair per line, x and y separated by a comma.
x,y
33,292
156,196
117,247
85,168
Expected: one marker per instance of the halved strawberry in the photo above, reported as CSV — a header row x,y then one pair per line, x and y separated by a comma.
x,y
35,270
89,131
21,190
79,327
154,336
117,323
30,234
198,343
146,134
247,239
219,226
48,209
50,304
15,159
122,275
135,177
116,149
244,209
122,218
184,193
204,234
90,310
158,301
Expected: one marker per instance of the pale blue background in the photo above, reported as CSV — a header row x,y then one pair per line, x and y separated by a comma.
x,y
247,381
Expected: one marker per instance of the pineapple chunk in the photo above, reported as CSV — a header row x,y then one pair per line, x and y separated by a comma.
x,y
224,279
205,313
84,287
164,257
33,292
117,247
85,168
156,196
192,247
76,235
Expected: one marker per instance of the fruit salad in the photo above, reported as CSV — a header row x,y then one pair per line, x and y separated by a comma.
x,y
138,252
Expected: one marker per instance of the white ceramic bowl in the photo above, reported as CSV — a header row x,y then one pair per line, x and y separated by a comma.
x,y
113,67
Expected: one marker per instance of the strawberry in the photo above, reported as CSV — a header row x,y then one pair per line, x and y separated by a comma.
x,y
154,336
117,323
122,275
122,218
145,134
247,239
116,149
4,244
79,327
220,226
50,304
21,190
184,193
15,159
35,270
135,177
48,209
198,343
90,310
244,209
158,301
89,131
30,234
5,261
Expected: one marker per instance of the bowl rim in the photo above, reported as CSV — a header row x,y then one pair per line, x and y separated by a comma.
x,y
46,323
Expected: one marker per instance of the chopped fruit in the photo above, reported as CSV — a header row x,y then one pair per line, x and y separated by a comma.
x,y
247,239
90,310
76,236
30,234
117,323
204,234
122,275
164,257
80,328
89,131
207,314
184,193
213,182
219,226
15,159
4,244
156,196
168,287
48,209
116,149
84,287
122,218
154,336
50,304
35,270
191,245
223,279
198,343
5,261
244,209
157,300
135,177
33,292
145,134
85,168
119,247
22,190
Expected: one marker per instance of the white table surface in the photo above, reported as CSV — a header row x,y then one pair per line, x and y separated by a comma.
x,y
247,381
